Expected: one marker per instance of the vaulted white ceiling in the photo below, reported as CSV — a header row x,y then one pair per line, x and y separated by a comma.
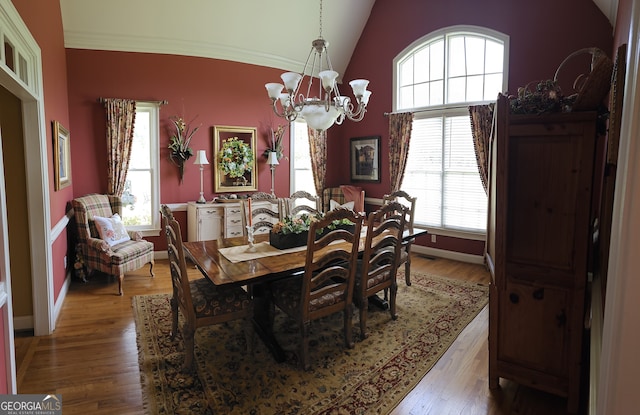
x,y
273,33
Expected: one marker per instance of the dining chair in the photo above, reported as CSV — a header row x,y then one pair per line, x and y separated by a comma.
x,y
326,285
302,202
200,301
265,212
405,255
377,269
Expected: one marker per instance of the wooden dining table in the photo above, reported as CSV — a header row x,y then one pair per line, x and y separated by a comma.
x,y
256,272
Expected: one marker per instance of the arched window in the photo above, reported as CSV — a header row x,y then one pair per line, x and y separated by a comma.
x,y
437,78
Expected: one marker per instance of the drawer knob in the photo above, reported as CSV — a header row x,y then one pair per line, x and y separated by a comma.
x,y
539,294
514,298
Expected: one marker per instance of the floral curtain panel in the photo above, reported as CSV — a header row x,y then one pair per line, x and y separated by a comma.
x,y
481,126
121,114
399,136
318,150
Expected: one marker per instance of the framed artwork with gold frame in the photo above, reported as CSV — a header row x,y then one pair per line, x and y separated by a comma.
x,y
61,156
229,143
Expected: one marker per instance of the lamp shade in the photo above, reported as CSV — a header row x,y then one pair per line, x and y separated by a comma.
x,y
201,158
273,158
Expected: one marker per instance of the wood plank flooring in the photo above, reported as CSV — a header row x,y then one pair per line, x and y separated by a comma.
x,y
91,358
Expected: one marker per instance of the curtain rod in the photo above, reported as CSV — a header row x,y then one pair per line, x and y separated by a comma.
x,y
162,102
465,105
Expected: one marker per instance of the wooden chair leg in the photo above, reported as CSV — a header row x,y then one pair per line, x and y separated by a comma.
x,y
363,318
304,345
120,279
348,329
392,302
174,317
151,268
407,271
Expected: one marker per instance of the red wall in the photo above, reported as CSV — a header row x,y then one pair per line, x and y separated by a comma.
x,y
214,92
542,33
44,20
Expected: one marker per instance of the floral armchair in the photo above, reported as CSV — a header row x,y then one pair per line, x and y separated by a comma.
x,y
104,253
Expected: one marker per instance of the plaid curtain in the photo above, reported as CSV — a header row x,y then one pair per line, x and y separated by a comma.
x,y
481,126
399,135
318,150
121,114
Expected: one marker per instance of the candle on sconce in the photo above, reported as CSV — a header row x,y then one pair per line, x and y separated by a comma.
x,y
250,214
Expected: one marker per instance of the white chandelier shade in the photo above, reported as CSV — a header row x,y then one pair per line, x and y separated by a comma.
x,y
325,106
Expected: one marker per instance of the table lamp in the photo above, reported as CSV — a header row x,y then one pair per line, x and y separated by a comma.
x,y
201,160
272,161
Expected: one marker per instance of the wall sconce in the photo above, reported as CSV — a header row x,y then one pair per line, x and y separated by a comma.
x,y
201,160
272,161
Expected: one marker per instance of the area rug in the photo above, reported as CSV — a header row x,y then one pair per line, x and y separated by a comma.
x,y
371,378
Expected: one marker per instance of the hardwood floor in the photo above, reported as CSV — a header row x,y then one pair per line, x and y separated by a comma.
x,y
92,359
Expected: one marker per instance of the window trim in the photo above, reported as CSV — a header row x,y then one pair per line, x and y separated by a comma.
x,y
447,31
153,107
438,110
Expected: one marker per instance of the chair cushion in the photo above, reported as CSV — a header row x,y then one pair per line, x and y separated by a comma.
x,y
211,301
111,230
371,282
287,295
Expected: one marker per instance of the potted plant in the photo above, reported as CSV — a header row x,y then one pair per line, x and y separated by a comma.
x,y
294,231
275,143
290,232
179,150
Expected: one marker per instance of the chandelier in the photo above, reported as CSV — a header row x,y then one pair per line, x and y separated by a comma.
x,y
327,106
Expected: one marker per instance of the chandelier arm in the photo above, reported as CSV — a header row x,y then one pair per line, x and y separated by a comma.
x,y
358,115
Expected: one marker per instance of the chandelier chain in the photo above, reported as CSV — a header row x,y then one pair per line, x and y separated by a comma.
x,y
320,19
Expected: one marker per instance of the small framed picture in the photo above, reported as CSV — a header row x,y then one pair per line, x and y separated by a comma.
x,y
61,156
365,159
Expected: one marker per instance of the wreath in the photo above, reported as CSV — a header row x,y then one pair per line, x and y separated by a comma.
x,y
235,158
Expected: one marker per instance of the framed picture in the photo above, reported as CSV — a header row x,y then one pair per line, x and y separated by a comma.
x,y
365,159
235,159
61,156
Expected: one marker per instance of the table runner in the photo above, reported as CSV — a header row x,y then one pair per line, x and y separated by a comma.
x,y
263,249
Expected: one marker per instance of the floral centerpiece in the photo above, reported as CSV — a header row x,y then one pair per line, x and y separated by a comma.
x,y
235,158
179,143
291,231
294,231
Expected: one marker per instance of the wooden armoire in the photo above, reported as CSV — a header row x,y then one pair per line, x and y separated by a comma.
x,y
541,185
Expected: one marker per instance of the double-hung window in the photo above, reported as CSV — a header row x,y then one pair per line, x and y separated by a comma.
x,y
437,78
301,171
141,196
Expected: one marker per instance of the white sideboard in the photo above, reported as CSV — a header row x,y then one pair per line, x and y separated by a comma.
x,y
207,221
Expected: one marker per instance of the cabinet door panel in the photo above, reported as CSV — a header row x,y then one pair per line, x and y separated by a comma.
x,y
546,200
209,224
533,327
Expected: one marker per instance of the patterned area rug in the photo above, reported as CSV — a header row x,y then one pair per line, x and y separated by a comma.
x,y
372,378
